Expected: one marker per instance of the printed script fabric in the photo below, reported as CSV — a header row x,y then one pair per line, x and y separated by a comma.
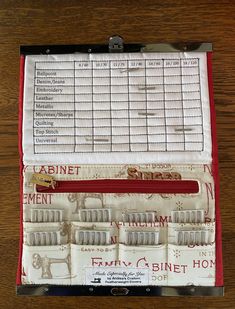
x,y
57,258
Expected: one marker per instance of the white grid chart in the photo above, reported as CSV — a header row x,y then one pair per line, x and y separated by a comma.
x,y
118,106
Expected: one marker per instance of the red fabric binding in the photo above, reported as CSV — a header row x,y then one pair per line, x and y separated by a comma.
x,y
215,170
21,95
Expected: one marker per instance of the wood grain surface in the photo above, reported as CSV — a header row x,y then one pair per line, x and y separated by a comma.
x,y
78,22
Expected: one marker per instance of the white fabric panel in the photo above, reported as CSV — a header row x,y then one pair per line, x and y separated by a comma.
x,y
116,109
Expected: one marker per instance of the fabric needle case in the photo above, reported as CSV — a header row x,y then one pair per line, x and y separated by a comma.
x,y
118,171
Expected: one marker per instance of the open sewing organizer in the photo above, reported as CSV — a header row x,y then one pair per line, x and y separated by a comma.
x,y
119,173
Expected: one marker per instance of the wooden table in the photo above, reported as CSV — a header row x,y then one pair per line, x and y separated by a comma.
x,y
79,22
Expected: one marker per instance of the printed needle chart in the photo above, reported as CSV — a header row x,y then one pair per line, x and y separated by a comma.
x,y
117,106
